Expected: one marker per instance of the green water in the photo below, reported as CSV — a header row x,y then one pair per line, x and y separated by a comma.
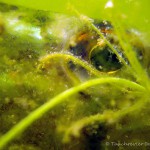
x,y
74,75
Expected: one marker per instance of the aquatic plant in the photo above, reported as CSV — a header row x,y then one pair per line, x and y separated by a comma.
x,y
132,79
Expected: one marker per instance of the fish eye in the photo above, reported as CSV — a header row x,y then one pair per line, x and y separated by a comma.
x,y
104,59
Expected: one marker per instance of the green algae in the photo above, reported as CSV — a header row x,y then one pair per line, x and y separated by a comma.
x,y
37,84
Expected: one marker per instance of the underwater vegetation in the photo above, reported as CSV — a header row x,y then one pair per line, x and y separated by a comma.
x,y
73,78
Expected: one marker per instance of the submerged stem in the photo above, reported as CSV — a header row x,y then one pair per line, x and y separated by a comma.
x,y
107,116
69,57
39,112
131,55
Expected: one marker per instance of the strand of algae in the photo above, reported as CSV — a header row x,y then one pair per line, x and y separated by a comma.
x,y
71,75
69,57
76,60
131,55
39,112
108,116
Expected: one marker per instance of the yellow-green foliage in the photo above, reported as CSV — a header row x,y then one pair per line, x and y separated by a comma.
x,y
44,103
